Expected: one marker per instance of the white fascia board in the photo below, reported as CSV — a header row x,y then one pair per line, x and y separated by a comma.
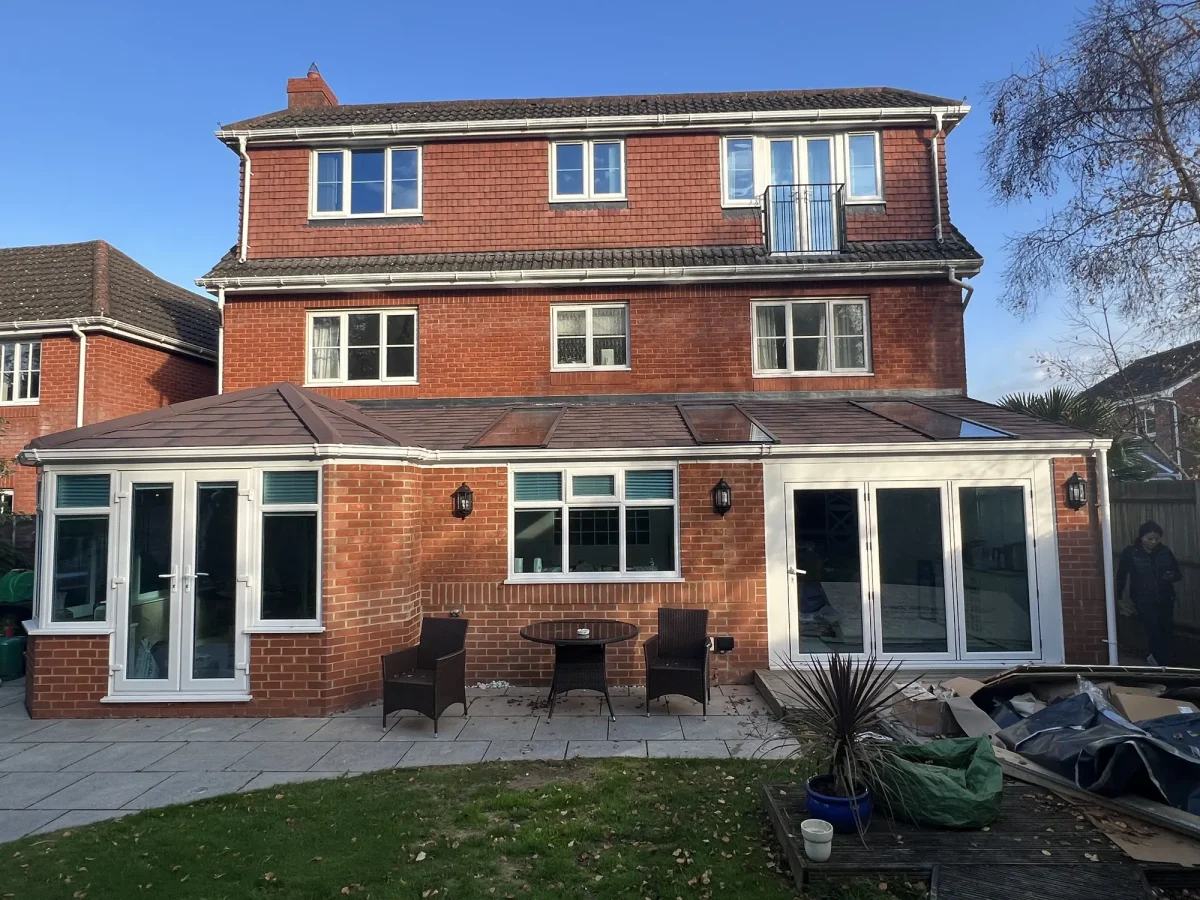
x,y
649,275
594,124
104,325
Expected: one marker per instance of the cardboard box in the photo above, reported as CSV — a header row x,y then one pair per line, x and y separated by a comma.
x,y
928,718
964,687
1138,707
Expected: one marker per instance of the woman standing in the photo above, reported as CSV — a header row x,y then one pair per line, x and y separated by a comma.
x,y
1151,570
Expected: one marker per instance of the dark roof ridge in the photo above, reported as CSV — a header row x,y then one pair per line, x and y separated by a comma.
x,y
100,277
318,426
354,414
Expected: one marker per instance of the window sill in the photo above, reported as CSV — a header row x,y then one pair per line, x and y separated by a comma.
x,y
399,382
613,203
741,212
284,629
866,201
179,697
344,221
69,629
589,370
849,373
665,578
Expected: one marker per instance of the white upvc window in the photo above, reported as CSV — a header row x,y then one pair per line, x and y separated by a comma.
x,y
587,170
594,523
739,186
752,163
864,168
362,346
20,372
289,551
1149,420
811,337
378,181
6,502
590,336
76,552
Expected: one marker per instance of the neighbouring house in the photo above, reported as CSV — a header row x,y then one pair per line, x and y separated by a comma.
x,y
1159,400
532,359
87,334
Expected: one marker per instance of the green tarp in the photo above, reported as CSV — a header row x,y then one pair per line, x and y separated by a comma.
x,y
952,783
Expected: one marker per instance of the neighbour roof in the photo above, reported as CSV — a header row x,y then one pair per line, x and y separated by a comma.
x,y
286,415
70,281
955,247
1150,374
577,107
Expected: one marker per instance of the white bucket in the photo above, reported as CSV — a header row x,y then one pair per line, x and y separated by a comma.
x,y
818,839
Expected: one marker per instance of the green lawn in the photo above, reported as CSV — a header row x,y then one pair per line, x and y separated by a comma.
x,y
585,828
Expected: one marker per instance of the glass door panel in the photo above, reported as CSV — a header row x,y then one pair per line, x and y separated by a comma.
x,y
828,570
996,569
153,580
820,213
213,581
912,570
784,211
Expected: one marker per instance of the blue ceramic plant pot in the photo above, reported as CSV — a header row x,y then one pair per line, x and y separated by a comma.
x,y
845,814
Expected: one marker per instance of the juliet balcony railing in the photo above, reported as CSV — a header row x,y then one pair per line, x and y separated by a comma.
x,y
804,218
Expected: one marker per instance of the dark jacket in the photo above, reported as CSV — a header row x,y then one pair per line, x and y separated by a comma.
x,y
1151,576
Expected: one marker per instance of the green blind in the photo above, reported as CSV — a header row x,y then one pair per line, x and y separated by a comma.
x,y
593,485
290,487
82,490
654,485
537,485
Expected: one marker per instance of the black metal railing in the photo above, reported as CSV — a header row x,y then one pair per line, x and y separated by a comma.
x,y
804,218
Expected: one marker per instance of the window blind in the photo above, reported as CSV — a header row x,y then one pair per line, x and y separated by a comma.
x,y
593,485
658,484
289,487
537,486
82,490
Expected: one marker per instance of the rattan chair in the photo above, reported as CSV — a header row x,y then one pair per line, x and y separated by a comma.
x,y
677,657
430,676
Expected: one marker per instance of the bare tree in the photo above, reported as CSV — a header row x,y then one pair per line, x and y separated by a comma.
x,y
1108,130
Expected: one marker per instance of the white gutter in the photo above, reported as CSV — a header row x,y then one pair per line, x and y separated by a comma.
x,y
1105,510
959,283
576,124
937,178
82,373
647,274
220,340
104,325
244,243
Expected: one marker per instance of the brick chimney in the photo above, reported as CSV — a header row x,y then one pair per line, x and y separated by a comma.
x,y
310,92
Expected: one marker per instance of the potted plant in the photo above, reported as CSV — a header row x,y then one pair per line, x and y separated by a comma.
x,y
837,706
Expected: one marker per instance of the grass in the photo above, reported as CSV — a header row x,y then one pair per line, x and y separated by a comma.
x,y
584,828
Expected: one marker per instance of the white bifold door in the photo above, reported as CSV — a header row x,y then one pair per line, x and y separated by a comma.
x,y
181,583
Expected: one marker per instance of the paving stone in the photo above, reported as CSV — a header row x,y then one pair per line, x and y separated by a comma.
x,y
103,790
48,757
362,756
187,787
606,748
719,705
518,750
438,753
77,818
475,690
495,728
500,706
142,730
201,756
737,690
19,789
641,728
69,731
14,729
125,757
7,750
362,712
283,756
212,729
577,705
750,706
687,749
534,692
11,695
635,705
265,780
15,712
571,728
349,728
21,822
421,729
286,729
770,749
728,728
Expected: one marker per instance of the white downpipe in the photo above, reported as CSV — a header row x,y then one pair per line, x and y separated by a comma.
x,y
82,373
937,178
959,283
245,241
1110,596
220,340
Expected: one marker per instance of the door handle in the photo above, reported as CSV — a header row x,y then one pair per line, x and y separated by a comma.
x,y
172,575
792,570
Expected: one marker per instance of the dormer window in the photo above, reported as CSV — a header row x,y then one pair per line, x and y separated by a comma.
x,y
587,170
375,182
752,164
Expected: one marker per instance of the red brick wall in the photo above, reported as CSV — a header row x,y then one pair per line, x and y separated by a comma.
x,y
916,332
494,195
1081,568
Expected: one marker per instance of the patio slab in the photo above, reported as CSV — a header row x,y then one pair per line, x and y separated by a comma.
x,y
187,787
523,750
687,749
349,728
414,728
641,728
719,705
19,790
141,729
125,757
492,728
634,704
597,749
768,749
201,756
436,753
362,756
571,728
725,728
282,756
212,729
264,780
15,729
77,818
68,731
21,822
48,757
286,729
102,790
576,705
500,706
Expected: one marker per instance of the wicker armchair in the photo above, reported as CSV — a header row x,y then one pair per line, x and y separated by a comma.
x,y
677,657
430,676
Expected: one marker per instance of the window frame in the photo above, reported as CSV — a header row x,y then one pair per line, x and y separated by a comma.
x,y
343,346
17,343
348,180
839,164
878,197
754,201
590,364
255,623
589,194
831,303
1149,423
569,500
11,496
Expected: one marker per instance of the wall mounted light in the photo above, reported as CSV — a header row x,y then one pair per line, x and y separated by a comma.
x,y
464,501
722,497
1075,490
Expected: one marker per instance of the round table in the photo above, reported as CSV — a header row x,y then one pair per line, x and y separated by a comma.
x,y
579,661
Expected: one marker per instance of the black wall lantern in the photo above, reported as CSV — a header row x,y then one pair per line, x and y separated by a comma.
x,y
722,496
464,501
1075,489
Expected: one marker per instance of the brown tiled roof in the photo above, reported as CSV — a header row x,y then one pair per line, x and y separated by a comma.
x,y
955,247
70,281
287,415
1150,374
575,107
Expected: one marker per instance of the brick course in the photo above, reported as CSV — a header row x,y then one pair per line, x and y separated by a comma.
x,y
1080,569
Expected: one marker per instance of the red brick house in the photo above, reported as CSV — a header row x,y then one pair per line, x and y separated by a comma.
x,y
87,334
590,312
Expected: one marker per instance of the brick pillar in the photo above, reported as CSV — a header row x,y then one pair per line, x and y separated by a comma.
x,y
1080,567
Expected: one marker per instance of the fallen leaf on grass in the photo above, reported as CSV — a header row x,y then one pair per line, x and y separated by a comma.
x,y
420,856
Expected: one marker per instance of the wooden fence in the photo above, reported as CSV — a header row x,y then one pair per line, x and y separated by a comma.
x,y
1175,505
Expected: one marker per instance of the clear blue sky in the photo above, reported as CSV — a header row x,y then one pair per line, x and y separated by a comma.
x,y
109,108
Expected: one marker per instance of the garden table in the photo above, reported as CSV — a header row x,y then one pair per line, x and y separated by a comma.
x,y
579,658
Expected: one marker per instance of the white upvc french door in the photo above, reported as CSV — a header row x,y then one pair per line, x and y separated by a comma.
x,y
181,583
